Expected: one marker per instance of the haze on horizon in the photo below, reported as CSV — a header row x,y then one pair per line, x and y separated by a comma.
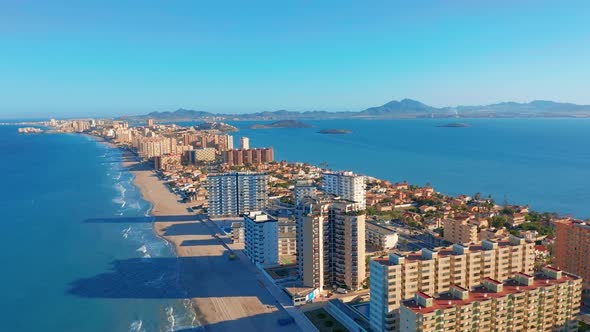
x,y
61,58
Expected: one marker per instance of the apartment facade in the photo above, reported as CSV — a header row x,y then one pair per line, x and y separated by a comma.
x,y
304,188
330,243
287,237
239,157
398,277
460,231
548,301
571,248
244,143
261,239
205,154
236,193
347,185
380,237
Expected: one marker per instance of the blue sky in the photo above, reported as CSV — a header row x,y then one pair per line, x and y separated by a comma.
x,y
76,58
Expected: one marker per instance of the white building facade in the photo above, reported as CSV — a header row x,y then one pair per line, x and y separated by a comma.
x,y
346,185
261,239
235,193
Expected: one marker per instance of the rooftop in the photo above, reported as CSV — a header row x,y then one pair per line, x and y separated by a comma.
x,y
442,251
480,293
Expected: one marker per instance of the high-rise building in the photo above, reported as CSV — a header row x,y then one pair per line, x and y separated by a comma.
x,y
250,156
261,238
304,188
548,301
244,143
330,242
571,248
397,277
150,122
287,237
459,231
346,185
206,154
235,194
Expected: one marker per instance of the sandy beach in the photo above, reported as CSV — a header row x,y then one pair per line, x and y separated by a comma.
x,y
226,294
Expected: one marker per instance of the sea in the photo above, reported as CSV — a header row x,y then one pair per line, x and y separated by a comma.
x,y
79,254
78,251
541,162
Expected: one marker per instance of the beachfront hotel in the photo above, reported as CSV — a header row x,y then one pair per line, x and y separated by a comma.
x,y
347,185
547,301
261,239
398,277
236,193
330,242
571,248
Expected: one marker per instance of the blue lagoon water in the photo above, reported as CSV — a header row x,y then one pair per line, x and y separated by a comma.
x,y
541,162
78,252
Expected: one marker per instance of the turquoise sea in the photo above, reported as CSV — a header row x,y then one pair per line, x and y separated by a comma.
x,y
78,251
541,162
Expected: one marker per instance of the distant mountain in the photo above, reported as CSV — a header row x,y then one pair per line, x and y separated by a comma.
x,y
405,108
536,107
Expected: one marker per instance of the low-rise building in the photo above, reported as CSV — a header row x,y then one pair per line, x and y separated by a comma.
x,y
380,237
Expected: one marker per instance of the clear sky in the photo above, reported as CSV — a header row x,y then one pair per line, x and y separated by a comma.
x,y
75,58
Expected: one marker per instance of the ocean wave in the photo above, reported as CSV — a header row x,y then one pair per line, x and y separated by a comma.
x,y
136,326
142,249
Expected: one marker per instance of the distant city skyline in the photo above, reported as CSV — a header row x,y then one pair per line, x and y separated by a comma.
x,y
110,58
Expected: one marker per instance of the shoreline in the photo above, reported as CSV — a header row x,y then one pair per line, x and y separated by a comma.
x,y
224,294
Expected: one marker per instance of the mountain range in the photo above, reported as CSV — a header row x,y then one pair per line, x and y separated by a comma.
x,y
406,108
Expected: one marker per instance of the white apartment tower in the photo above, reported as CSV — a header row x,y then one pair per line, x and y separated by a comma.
x,y
236,193
245,143
261,238
347,185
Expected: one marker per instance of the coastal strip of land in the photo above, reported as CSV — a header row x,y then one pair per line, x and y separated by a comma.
x,y
226,294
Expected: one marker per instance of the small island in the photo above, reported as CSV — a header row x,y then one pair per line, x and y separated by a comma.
x,y
281,124
335,131
454,125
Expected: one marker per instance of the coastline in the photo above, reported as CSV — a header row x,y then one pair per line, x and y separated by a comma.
x,y
224,295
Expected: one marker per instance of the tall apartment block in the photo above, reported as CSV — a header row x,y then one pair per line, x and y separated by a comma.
x,y
261,239
330,243
571,248
236,193
248,156
347,185
548,301
398,277
460,231
304,188
244,143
